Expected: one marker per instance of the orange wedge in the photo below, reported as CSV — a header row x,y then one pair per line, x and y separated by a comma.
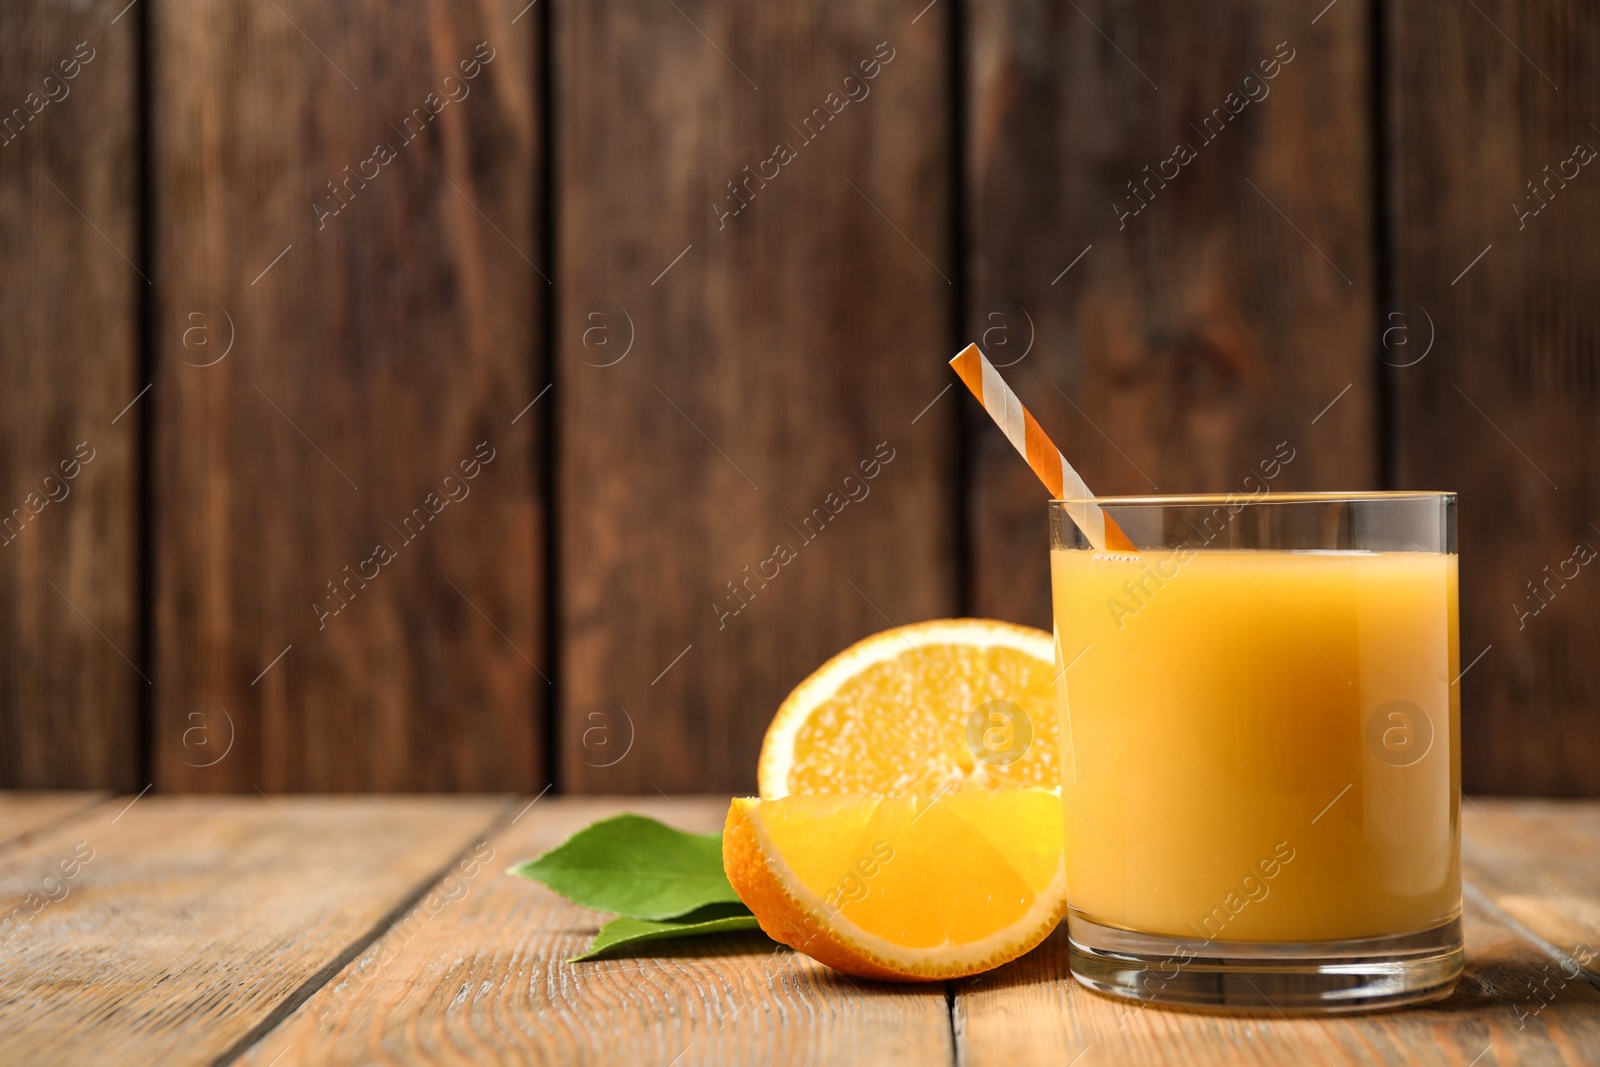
x,y
902,888
966,703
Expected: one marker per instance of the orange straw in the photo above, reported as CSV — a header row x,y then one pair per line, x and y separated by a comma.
x,y
1041,453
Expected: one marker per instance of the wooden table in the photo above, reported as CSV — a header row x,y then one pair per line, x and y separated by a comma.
x,y
291,929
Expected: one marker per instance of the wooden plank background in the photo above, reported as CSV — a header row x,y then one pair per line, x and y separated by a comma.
x,y
1175,345
308,497
71,682
682,269
757,382
1507,406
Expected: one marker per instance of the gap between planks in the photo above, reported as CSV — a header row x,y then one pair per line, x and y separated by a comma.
x,y
1483,900
330,970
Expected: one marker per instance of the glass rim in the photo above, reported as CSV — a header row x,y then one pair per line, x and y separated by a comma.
x,y
1253,499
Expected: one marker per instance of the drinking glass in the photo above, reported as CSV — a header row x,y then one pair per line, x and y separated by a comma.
x,y
1260,750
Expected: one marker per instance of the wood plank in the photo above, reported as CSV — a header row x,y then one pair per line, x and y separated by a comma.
x,y
191,920
1032,1011
69,354
1171,349
1505,407
774,352
24,813
332,591
1539,862
484,980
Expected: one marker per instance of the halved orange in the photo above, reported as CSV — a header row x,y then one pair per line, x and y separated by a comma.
x,y
903,888
910,825
918,709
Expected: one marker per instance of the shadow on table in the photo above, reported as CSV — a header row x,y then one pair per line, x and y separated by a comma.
x,y
1502,982
706,946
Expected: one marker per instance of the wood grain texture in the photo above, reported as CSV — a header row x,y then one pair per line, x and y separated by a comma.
x,y
1506,407
193,919
69,305
1539,862
1172,348
483,980
1032,1011
775,349
205,926
23,814
383,322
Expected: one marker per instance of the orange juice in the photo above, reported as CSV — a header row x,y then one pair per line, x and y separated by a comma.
x,y
1259,746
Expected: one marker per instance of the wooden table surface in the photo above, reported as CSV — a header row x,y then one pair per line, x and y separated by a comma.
x,y
311,930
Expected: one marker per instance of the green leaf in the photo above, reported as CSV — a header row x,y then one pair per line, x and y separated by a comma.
x,y
711,919
636,868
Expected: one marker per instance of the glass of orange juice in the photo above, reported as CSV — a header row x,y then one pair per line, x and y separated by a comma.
x,y
1260,752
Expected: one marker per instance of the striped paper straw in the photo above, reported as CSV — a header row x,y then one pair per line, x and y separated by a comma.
x,y
1041,453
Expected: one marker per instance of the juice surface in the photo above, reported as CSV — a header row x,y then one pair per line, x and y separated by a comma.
x,y
1260,745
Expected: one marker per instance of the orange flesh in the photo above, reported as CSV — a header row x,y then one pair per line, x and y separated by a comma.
x,y
901,725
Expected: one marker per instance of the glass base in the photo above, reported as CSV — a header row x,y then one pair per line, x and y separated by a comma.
x,y
1307,978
